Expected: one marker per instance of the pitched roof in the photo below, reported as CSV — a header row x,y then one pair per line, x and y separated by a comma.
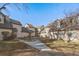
x,y
26,30
15,22
12,20
2,14
8,24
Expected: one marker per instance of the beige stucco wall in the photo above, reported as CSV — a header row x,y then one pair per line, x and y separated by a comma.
x,y
21,34
45,33
2,30
24,34
19,29
75,35
33,34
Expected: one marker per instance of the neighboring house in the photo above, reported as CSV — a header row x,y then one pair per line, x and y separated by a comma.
x,y
5,26
9,26
45,32
31,29
16,24
72,33
66,29
25,32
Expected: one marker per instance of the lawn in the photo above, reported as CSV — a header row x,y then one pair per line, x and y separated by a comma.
x,y
11,45
68,48
15,47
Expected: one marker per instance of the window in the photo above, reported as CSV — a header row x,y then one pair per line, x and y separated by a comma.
x,y
0,19
77,18
5,35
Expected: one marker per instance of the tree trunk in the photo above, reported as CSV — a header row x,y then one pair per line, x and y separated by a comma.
x,y
36,32
30,36
58,35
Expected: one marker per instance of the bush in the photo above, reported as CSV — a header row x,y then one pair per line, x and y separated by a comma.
x,y
10,37
13,36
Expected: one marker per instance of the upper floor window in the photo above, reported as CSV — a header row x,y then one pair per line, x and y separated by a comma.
x,y
0,19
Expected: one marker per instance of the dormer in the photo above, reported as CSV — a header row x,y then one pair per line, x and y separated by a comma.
x,y
1,19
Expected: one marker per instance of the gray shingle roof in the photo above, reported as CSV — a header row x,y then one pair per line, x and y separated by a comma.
x,y
8,23
26,30
15,22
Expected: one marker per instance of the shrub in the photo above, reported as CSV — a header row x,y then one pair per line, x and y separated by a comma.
x,y
8,36
13,36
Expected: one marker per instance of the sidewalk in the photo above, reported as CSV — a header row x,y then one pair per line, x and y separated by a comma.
x,y
38,45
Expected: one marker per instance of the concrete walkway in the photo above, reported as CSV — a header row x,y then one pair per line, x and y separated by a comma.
x,y
38,45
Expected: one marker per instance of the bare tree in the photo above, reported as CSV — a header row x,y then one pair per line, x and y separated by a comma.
x,y
54,28
70,20
3,7
19,6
